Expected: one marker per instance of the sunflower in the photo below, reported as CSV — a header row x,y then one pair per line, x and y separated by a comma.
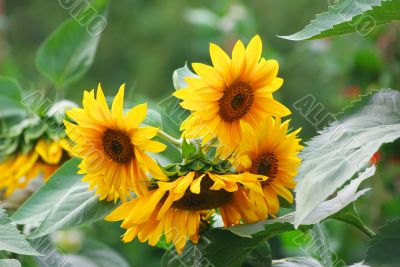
x,y
176,208
44,159
113,146
230,92
272,152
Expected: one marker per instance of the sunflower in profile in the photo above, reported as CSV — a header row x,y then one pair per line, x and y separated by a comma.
x,y
271,152
232,91
113,146
176,208
44,159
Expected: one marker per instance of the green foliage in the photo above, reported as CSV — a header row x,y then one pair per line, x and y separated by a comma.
x,y
260,256
350,16
10,98
384,250
94,253
63,202
67,54
11,239
346,146
10,263
178,78
297,262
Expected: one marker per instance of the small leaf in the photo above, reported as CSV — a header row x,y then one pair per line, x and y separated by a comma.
x,y
384,250
178,78
188,148
344,148
11,239
63,202
350,16
67,54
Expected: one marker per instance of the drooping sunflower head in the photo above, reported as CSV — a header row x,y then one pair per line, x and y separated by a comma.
x,y
272,152
113,145
45,157
232,91
176,208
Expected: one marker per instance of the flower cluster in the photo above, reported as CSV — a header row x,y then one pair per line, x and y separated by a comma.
x,y
232,112
33,145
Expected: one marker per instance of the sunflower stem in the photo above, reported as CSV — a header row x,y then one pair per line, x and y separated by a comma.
x,y
167,137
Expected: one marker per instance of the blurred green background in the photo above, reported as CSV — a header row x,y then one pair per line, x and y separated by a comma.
x,y
145,41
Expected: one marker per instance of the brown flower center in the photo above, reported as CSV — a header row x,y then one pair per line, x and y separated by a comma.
x,y
117,146
207,199
236,101
265,164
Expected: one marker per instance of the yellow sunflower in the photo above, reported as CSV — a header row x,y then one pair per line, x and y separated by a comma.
x,y
175,208
272,152
44,159
113,146
230,92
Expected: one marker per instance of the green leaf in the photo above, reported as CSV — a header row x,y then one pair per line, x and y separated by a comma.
x,y
297,262
260,256
178,78
344,148
192,255
51,255
384,250
63,202
94,253
10,98
10,263
332,208
350,215
67,54
188,148
11,239
231,250
349,16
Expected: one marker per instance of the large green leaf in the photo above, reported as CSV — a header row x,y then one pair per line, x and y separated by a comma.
x,y
344,148
260,256
384,250
231,250
222,248
331,208
10,263
63,202
10,98
67,54
193,255
349,16
96,254
11,239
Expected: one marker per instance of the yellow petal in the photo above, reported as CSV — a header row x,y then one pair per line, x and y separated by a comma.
x,y
195,186
136,115
118,104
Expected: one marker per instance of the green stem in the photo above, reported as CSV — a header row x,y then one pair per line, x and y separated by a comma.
x,y
59,94
360,225
167,137
350,215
